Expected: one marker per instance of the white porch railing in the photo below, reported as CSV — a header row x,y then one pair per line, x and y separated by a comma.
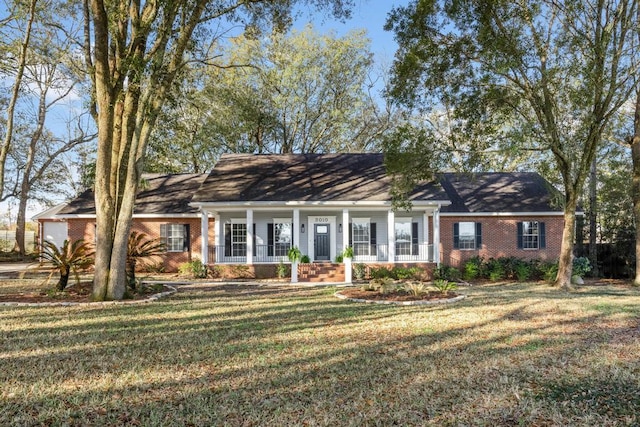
x,y
405,252
237,254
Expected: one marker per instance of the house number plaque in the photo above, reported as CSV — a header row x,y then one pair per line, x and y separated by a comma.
x,y
322,220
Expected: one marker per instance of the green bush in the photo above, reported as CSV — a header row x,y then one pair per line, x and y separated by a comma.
x,y
496,269
359,271
549,271
195,269
282,270
444,286
416,288
522,270
339,258
474,268
380,273
445,272
581,266
305,259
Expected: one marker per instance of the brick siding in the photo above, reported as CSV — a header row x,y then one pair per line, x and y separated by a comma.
x,y
500,239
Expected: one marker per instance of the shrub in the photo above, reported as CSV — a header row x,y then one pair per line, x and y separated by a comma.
x,y
195,269
549,271
384,285
359,271
445,272
304,259
339,258
444,286
282,270
581,266
523,270
416,288
68,258
496,270
139,247
474,268
380,273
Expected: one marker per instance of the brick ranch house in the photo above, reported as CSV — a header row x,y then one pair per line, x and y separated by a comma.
x,y
250,210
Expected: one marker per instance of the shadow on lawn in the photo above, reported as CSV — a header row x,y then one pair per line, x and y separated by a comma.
x,y
290,356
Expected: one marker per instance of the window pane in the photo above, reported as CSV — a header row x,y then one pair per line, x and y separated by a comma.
x,y
238,239
403,238
467,235
175,237
361,238
282,238
530,235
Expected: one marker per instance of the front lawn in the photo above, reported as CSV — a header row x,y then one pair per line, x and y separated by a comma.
x,y
522,354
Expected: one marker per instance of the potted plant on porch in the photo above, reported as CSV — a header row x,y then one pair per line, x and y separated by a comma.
x,y
294,256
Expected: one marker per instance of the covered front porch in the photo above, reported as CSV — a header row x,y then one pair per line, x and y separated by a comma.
x,y
265,234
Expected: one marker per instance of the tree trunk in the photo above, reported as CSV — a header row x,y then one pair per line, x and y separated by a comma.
x,y
565,264
593,217
635,182
64,280
20,225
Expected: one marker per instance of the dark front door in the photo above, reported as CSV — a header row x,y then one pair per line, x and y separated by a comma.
x,y
321,242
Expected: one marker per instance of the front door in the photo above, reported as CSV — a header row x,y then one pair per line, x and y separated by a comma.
x,y
321,242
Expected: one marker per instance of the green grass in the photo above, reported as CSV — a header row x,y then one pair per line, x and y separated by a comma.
x,y
523,354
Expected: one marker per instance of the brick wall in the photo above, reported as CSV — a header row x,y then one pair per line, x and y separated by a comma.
x,y
85,229
500,239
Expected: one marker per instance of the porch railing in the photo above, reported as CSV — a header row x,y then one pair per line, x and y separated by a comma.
x,y
237,254
405,252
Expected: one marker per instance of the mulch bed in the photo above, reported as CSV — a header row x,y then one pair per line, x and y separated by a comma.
x,y
73,293
395,296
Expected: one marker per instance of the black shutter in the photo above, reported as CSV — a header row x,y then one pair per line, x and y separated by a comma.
x,y
414,238
478,235
520,238
227,240
543,236
373,239
253,235
270,240
186,241
163,236
456,235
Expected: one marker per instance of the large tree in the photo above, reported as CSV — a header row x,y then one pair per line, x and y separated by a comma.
x,y
134,51
290,92
538,75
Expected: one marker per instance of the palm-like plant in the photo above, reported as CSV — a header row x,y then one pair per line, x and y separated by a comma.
x,y
140,247
68,258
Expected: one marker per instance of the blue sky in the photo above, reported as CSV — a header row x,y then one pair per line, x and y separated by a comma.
x,y
368,14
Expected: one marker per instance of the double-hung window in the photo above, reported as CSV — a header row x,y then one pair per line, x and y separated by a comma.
x,y
406,237
361,236
280,237
238,239
175,237
467,235
531,235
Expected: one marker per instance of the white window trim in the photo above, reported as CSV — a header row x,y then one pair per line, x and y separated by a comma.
x,y
473,235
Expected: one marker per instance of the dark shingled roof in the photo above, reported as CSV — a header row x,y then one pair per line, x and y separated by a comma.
x,y
303,177
499,192
158,194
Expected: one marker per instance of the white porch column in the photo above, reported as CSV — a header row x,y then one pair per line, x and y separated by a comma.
x,y
249,236
345,243
217,237
391,235
436,235
425,221
296,243
204,236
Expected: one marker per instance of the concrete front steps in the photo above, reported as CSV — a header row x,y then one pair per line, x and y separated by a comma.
x,y
318,272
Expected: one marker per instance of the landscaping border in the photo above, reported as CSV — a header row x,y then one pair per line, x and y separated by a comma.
x,y
151,298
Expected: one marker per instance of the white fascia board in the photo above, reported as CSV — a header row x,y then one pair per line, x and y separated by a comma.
x,y
227,206
135,216
50,213
507,214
